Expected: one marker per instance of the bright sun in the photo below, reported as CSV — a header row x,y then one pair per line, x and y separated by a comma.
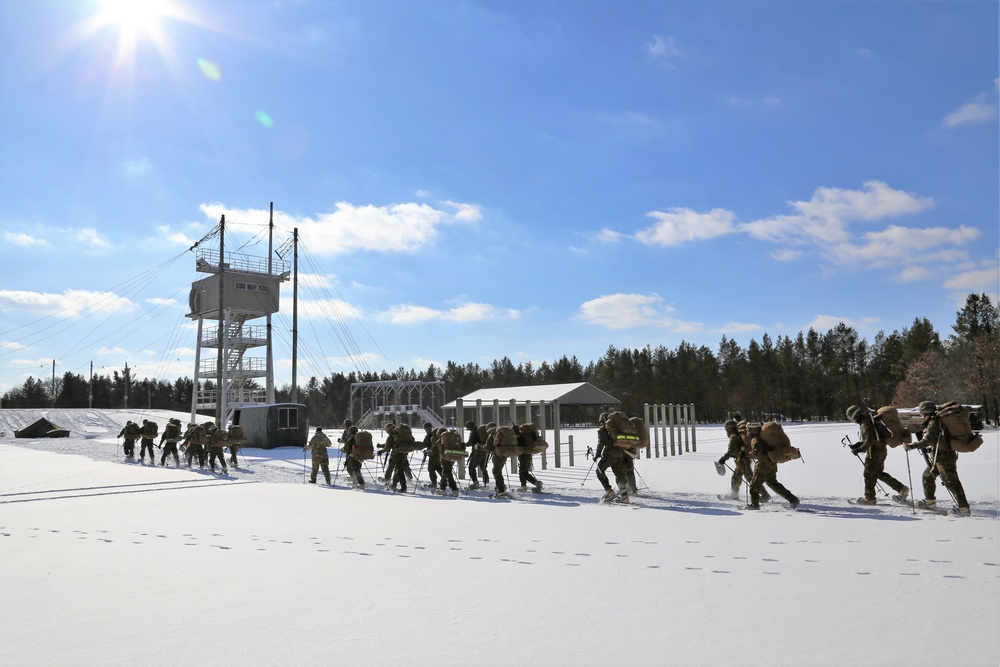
x,y
133,20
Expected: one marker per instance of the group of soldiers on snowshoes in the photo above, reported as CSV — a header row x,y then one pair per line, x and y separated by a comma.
x,y
441,447
199,441
749,451
753,466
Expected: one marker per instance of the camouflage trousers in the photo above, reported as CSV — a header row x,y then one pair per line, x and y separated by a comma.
x,y
217,452
766,473
448,476
743,470
147,444
195,451
613,458
320,462
353,468
129,447
498,472
524,470
400,465
170,448
477,466
434,468
875,472
945,467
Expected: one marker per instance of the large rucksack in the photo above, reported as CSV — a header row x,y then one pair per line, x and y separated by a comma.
x,y
149,429
452,447
132,431
779,447
403,440
892,429
363,449
172,432
483,433
957,429
505,442
627,432
236,436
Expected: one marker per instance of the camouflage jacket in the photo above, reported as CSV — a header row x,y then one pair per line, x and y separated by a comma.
x,y
870,442
319,443
603,442
933,437
736,448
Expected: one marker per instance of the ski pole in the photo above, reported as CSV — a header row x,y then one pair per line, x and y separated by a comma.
x,y
909,476
592,464
340,460
416,482
117,445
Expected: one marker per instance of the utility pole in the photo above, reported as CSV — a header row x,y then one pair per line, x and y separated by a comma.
x,y
295,317
269,389
53,383
90,392
220,389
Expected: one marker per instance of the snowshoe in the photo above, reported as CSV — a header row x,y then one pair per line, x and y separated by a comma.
x,y
721,469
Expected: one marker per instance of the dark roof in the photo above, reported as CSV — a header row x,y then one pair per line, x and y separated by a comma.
x,y
42,428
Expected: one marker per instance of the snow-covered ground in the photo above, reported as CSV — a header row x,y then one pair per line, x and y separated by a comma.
x,y
105,563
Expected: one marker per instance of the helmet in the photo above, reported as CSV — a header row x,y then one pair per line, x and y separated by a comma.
x,y
390,426
319,429
602,418
347,422
428,425
730,426
352,430
470,424
927,407
853,413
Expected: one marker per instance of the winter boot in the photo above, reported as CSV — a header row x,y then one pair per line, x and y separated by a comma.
x,y
794,502
753,507
903,495
609,493
538,487
928,504
962,511
865,501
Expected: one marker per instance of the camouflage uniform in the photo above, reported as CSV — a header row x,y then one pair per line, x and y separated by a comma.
x,y
213,435
433,457
612,457
319,443
942,461
193,449
131,433
147,442
498,464
171,434
766,472
399,463
876,452
447,468
352,465
478,456
742,464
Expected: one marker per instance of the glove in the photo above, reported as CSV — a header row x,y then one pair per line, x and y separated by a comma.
x,y
856,448
910,446
722,461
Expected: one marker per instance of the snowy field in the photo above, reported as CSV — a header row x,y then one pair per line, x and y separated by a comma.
x,y
107,563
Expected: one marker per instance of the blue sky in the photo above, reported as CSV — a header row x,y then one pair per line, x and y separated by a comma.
x,y
475,180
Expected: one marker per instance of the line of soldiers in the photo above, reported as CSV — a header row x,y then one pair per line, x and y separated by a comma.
x,y
752,465
439,455
198,441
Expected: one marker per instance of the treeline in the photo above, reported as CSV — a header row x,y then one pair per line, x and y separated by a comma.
x,y
813,376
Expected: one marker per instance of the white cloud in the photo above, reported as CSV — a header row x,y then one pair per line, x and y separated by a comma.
x,y
731,328
70,303
332,309
175,237
983,280
786,255
625,311
973,112
23,240
827,322
158,301
663,47
467,312
825,218
912,274
354,362
314,280
137,167
89,237
608,236
895,245
11,345
397,228
680,225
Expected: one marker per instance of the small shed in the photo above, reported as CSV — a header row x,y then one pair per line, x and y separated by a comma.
x,y
273,425
42,428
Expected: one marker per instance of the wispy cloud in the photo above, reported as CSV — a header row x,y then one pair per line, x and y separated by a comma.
x,y
681,225
90,238
23,240
136,168
464,313
827,322
70,303
663,47
625,311
404,227
973,112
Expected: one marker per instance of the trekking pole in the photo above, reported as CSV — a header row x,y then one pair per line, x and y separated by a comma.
x,y
416,482
644,485
340,460
374,480
909,476
117,445
592,464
